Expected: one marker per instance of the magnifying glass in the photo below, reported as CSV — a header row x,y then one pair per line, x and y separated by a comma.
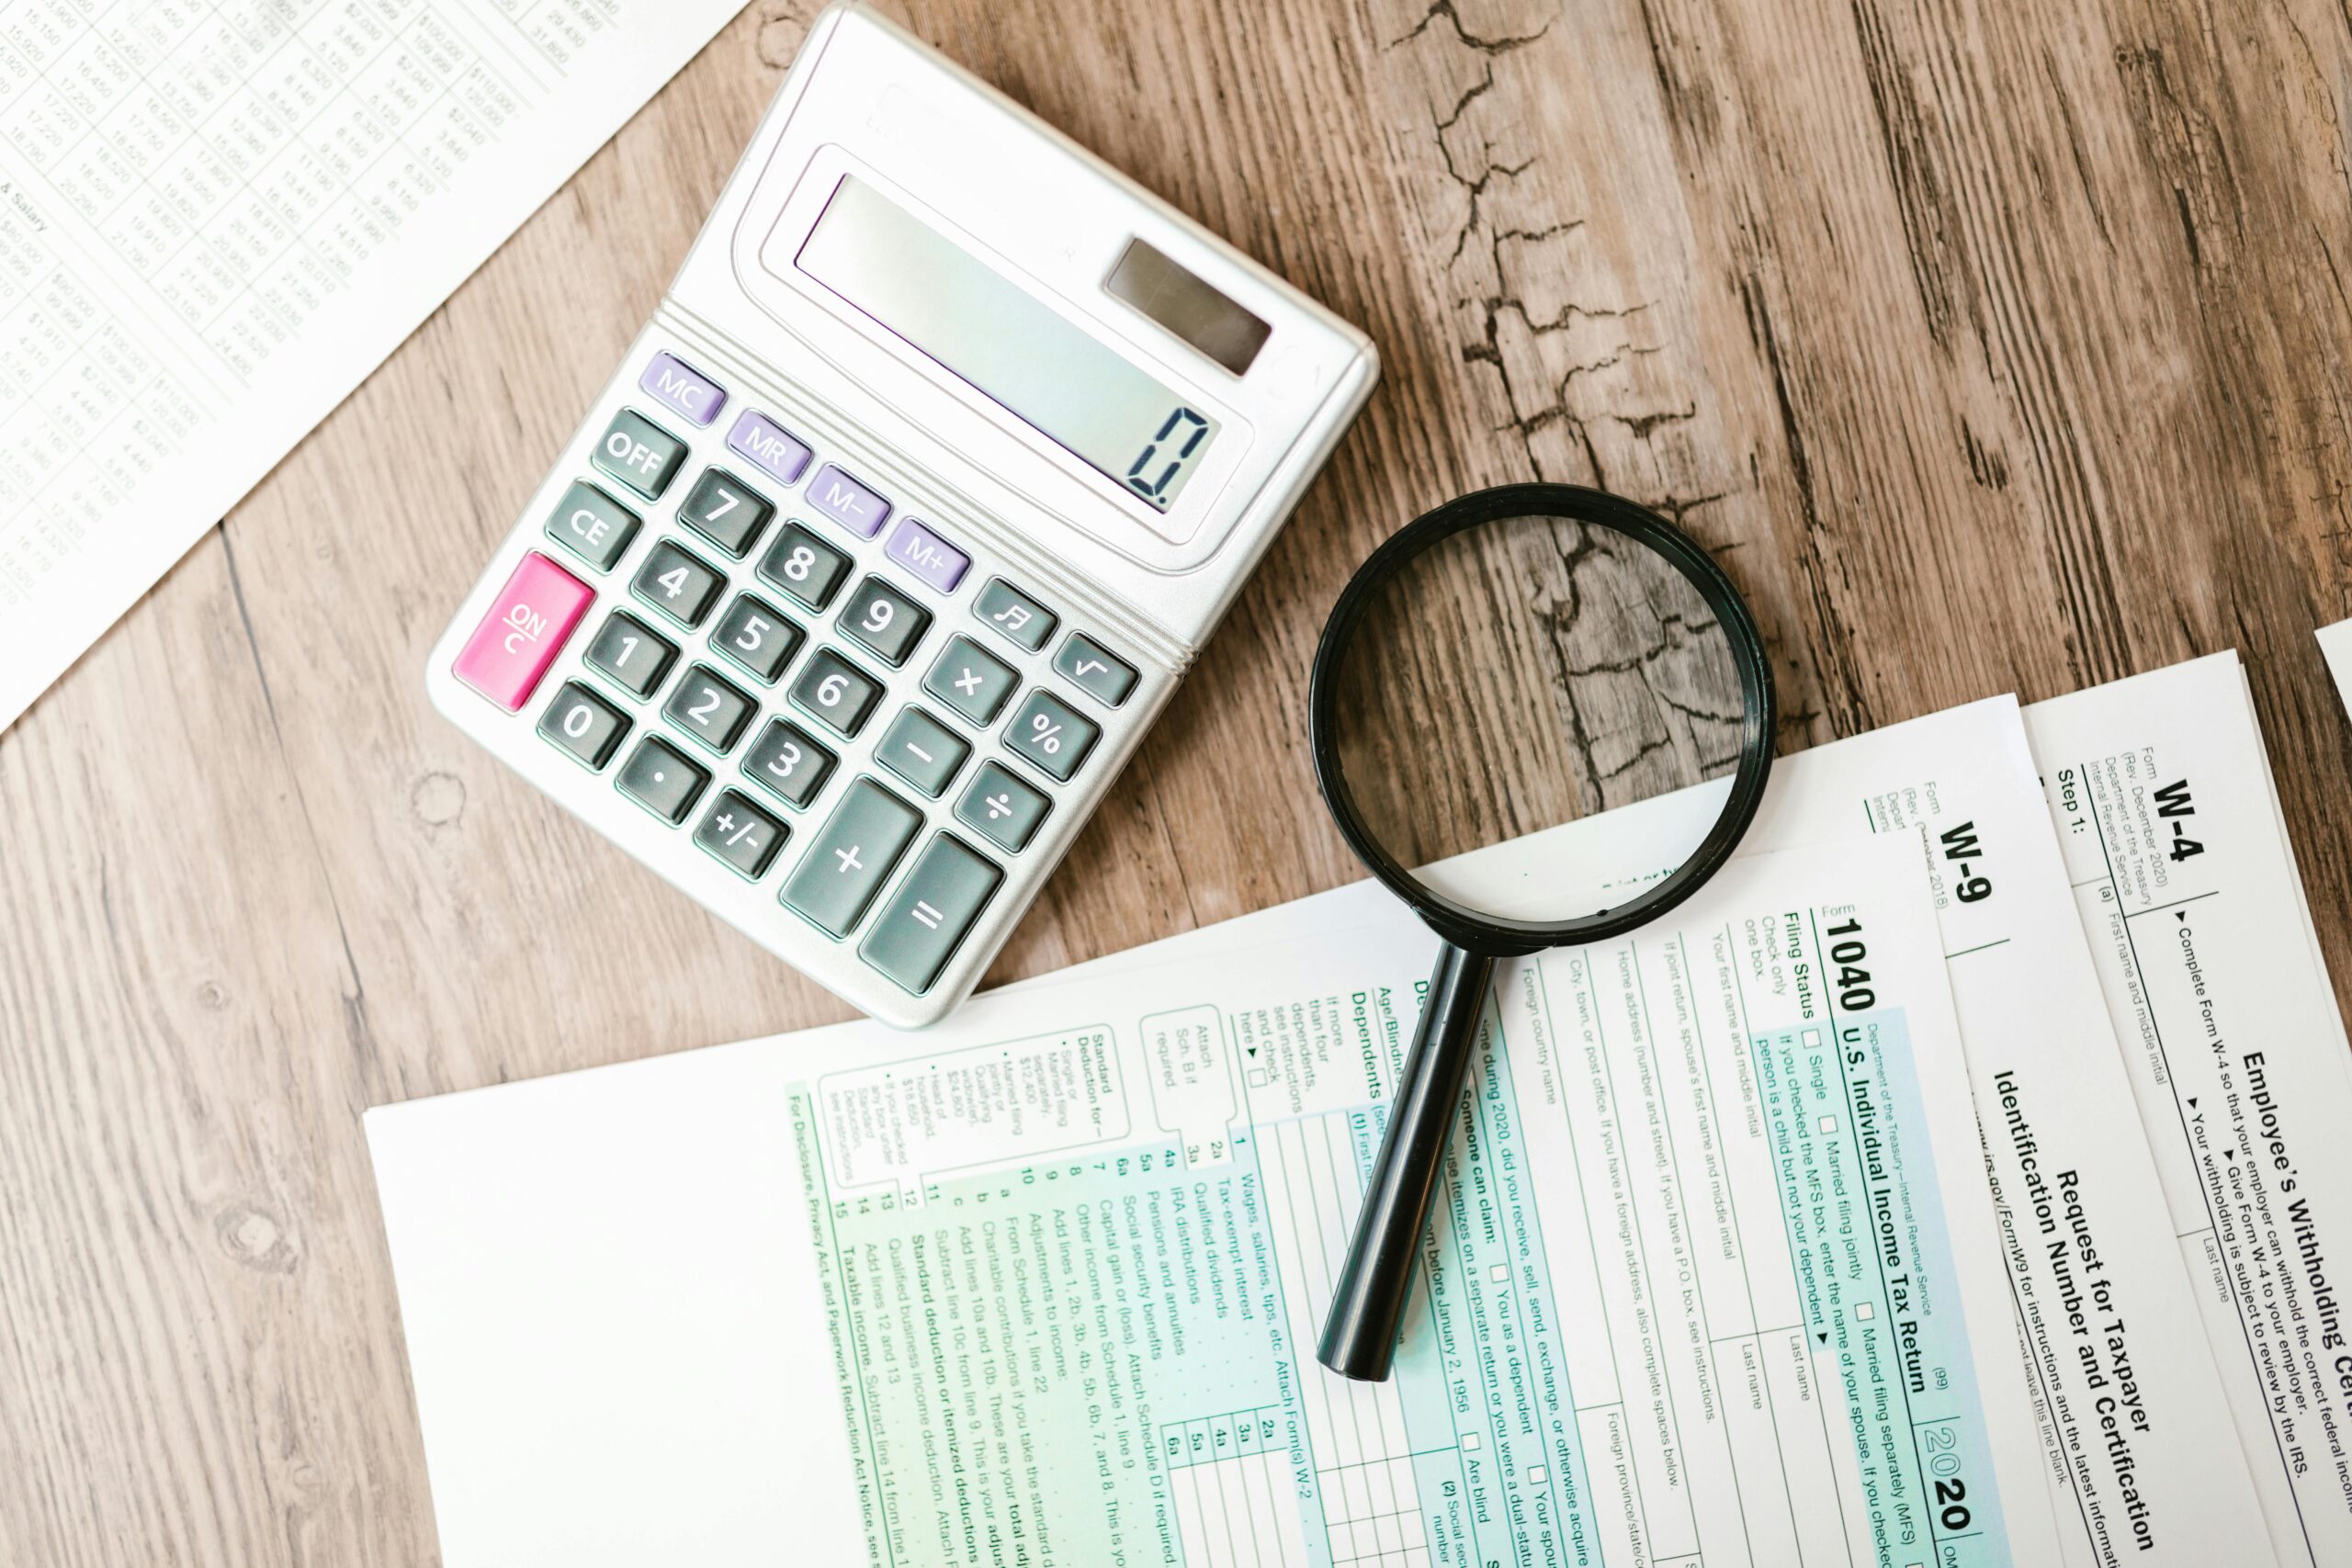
x,y
1515,660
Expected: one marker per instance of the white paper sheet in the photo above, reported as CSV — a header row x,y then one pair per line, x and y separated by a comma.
x,y
216,219
2129,1419
2336,643
1715,1274
2161,791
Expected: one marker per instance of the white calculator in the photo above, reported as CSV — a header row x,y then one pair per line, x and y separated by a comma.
x,y
922,488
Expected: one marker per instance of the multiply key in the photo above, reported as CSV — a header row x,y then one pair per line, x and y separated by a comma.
x,y
972,680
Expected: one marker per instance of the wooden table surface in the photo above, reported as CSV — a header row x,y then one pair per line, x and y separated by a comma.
x,y
1993,347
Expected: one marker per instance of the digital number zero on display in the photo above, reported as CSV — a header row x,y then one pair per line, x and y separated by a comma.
x,y
989,332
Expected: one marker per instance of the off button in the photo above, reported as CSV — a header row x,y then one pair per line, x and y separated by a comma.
x,y
639,453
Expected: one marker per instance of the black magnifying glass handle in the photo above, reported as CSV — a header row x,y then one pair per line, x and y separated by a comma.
x,y
1360,1334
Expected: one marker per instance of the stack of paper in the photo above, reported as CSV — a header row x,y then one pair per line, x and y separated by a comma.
x,y
1957,1193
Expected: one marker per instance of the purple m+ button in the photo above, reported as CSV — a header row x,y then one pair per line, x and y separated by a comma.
x,y
927,554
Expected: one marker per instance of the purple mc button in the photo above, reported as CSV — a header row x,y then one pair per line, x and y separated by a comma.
x,y
681,387
776,451
927,554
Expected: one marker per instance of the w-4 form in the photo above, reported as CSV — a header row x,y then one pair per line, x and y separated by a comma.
x,y
2161,797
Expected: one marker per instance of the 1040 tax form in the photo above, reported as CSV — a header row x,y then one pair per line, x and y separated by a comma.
x,y
2124,1387
1715,1276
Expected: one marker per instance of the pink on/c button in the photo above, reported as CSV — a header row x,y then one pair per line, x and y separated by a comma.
x,y
527,627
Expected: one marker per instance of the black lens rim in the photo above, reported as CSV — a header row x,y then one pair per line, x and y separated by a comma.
x,y
1473,930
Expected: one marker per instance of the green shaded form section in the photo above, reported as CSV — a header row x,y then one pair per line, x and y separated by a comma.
x,y
1093,1360
1077,1361
1497,1458
1875,1271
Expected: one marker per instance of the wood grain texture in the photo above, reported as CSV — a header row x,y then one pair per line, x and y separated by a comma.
x,y
1993,346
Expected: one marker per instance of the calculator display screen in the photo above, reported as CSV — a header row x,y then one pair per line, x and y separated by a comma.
x,y
995,335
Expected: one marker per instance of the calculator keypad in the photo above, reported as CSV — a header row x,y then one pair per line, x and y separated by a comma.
x,y
631,655
972,680
804,566
884,621
726,510
836,692
639,453
756,636
709,709
661,779
789,763
852,853
686,669
679,585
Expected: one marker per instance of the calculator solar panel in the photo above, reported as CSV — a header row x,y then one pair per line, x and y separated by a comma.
x,y
844,623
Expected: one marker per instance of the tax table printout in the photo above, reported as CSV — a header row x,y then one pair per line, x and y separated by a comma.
x,y
218,216
2161,791
1714,1277
2132,1414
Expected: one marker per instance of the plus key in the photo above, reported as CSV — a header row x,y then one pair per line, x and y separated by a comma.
x,y
855,850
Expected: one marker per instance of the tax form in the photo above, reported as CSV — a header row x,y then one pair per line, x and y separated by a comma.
x,y
2161,790
218,216
2125,1389
1715,1279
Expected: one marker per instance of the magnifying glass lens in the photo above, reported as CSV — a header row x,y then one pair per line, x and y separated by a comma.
x,y
1524,674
